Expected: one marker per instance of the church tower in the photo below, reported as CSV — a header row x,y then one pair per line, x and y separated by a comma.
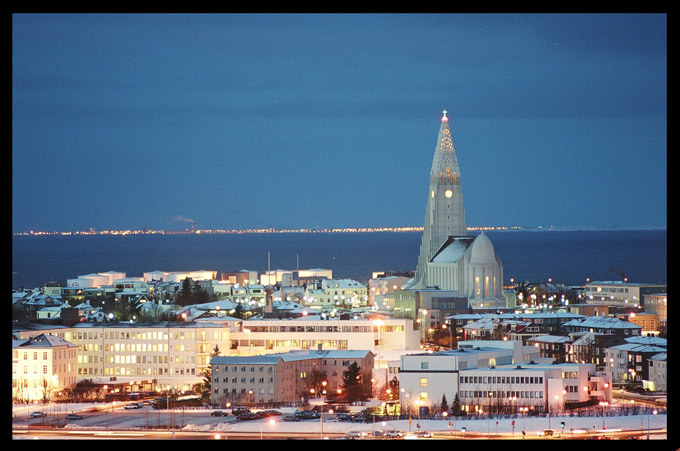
x,y
444,215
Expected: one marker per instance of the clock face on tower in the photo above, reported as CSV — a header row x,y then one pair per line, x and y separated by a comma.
x,y
448,193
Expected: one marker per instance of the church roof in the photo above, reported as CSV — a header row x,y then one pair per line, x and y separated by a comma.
x,y
453,249
482,250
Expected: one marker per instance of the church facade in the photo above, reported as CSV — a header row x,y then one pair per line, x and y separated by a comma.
x,y
451,260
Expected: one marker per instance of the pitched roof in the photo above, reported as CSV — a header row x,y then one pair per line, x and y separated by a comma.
x,y
48,341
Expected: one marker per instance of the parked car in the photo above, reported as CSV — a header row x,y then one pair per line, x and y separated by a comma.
x,y
246,416
219,413
74,416
133,405
38,414
395,433
344,417
290,417
361,418
267,413
238,410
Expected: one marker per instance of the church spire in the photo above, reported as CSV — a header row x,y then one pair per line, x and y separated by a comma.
x,y
445,163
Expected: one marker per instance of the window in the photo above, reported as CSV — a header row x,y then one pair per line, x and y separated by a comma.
x,y
423,382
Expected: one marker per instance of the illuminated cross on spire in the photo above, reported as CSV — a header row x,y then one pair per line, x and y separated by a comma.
x,y
444,118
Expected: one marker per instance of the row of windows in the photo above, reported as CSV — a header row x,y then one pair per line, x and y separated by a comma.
x,y
244,380
243,391
153,335
480,394
236,368
311,328
501,379
138,371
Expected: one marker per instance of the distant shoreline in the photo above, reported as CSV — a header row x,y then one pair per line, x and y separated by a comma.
x,y
148,231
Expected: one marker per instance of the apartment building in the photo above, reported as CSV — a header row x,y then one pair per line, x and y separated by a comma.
x,y
268,336
174,354
282,377
42,366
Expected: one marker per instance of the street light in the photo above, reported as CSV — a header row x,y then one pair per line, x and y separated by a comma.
x,y
272,422
603,404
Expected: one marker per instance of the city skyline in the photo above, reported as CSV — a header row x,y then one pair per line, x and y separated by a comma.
x,y
329,120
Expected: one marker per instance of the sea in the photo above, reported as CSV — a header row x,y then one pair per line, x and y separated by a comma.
x,y
569,257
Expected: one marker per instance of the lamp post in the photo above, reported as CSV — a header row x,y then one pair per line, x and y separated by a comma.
x,y
603,404
271,422
654,412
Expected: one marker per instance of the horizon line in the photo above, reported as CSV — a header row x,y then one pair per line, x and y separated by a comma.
x,y
194,231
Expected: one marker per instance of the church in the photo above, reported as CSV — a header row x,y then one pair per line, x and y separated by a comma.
x,y
452,264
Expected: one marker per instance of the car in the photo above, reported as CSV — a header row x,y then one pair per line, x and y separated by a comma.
x,y
38,414
74,416
352,436
395,433
423,434
306,415
246,416
133,405
290,417
239,410
344,417
267,413
219,413
546,432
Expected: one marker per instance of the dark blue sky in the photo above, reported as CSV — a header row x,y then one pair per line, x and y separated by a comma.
x,y
286,121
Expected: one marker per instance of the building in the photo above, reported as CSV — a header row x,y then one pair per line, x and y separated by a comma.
x,y
551,346
538,387
381,289
280,378
337,293
656,304
425,378
175,355
621,293
42,366
449,258
629,362
657,379
608,325
271,336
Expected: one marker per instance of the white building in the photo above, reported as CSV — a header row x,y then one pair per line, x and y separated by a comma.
x,y
658,373
337,293
540,387
42,366
425,378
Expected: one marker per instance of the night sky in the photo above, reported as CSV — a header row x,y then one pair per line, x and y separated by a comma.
x,y
323,120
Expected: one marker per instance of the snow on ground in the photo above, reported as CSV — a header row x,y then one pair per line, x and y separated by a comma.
x,y
492,426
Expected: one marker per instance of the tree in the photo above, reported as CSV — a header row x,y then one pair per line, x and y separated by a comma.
x,y
205,387
184,295
444,406
353,388
199,295
455,407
